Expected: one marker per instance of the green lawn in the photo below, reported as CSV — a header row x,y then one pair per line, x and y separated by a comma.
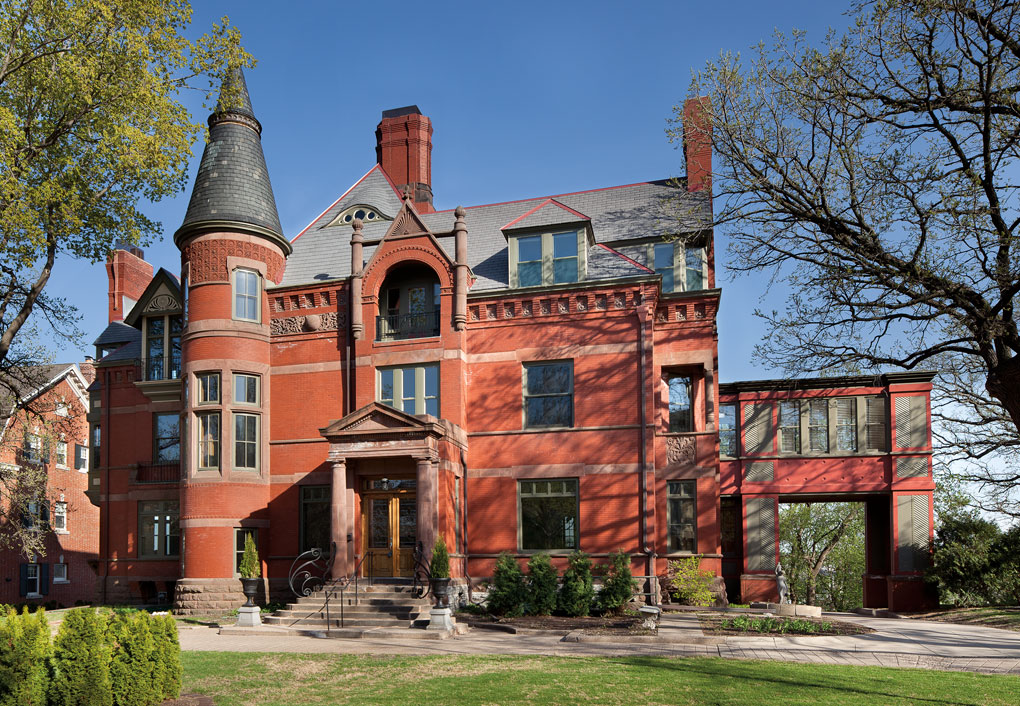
x,y
243,679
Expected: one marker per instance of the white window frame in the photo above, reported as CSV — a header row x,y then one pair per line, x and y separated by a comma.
x,y
60,517
61,454
60,572
246,295
37,578
548,259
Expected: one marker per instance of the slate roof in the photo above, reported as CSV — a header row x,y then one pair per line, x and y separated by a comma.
x,y
24,382
233,182
617,215
117,332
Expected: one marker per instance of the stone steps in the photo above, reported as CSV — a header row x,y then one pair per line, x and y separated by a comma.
x,y
387,603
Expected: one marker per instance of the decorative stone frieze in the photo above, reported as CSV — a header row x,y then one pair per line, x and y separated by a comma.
x,y
680,450
328,321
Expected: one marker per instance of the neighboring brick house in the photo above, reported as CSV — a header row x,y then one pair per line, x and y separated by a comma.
x,y
44,430
532,375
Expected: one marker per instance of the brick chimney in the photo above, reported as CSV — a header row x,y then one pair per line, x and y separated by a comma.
x,y
88,369
697,144
129,275
404,151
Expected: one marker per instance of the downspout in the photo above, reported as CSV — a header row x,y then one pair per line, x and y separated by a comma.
x,y
106,486
642,316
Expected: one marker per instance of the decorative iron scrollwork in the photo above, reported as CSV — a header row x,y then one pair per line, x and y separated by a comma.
x,y
310,571
422,575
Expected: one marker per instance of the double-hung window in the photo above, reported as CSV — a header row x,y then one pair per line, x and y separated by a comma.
x,y
682,266
682,516
728,430
246,389
60,517
208,388
61,454
789,427
548,514
209,440
246,441
818,425
246,295
413,389
681,403
158,533
547,258
548,394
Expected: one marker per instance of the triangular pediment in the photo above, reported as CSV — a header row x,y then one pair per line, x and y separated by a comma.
x,y
549,212
374,418
161,296
407,222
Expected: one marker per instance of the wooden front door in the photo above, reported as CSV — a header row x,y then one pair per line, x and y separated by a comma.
x,y
390,529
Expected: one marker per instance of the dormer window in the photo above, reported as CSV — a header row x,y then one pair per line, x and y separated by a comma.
x,y
163,347
683,267
547,258
246,295
366,213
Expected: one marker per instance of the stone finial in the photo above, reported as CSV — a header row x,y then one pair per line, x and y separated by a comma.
x,y
460,212
408,194
358,225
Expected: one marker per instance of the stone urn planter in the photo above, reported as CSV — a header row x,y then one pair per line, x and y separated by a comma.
x,y
250,586
441,590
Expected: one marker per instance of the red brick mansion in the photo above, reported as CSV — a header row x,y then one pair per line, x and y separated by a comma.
x,y
528,376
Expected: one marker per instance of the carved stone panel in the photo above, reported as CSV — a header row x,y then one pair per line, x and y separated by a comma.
x,y
680,450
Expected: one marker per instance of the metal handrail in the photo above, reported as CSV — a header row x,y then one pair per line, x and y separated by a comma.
x,y
333,586
399,326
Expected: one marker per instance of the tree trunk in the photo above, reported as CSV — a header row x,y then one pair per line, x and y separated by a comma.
x,y
1003,383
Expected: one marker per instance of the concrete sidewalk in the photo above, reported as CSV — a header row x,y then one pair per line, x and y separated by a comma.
x,y
896,643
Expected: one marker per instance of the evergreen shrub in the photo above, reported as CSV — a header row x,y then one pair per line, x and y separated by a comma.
x,y
166,673
133,659
508,594
542,580
439,566
81,661
249,567
577,593
618,587
24,649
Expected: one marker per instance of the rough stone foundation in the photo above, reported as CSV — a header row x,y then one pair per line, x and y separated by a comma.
x,y
209,596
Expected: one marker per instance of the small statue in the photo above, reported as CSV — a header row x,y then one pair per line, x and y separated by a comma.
x,y
781,585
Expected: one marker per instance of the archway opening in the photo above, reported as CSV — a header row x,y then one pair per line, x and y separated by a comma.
x,y
408,303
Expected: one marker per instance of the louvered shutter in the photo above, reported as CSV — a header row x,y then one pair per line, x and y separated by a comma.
x,y
44,579
912,532
23,575
911,423
875,432
761,534
846,424
758,433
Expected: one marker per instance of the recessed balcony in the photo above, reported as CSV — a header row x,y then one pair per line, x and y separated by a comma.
x,y
395,327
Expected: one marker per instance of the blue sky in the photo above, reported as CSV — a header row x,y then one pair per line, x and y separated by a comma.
x,y
526,99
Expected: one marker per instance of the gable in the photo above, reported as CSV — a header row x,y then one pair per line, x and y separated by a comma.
x,y
162,296
548,213
373,418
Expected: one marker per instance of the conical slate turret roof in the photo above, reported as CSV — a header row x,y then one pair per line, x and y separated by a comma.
x,y
232,189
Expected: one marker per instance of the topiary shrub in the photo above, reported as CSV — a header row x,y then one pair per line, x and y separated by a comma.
x,y
24,649
249,567
577,593
131,666
542,580
686,583
81,661
439,566
618,587
508,594
166,673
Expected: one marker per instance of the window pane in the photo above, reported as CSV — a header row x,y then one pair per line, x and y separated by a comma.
x,y
408,518
548,522
529,249
315,520
789,427
695,268
209,440
386,387
681,509
246,389
408,393
663,256
245,440
680,407
565,270
167,438
564,245
529,274
549,378
818,425
432,406
549,411
431,380
209,387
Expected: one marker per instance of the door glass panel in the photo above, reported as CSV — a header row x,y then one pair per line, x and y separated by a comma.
x,y
408,522
379,524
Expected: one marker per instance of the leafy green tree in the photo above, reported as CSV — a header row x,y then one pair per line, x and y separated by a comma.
x,y
542,584
822,546
964,561
90,122
577,594
873,178
686,583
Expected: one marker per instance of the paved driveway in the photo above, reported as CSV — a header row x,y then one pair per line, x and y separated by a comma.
x,y
896,643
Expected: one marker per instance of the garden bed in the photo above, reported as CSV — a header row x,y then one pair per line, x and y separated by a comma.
x,y
715,624
561,624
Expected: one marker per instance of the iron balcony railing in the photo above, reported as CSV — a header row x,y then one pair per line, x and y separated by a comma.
x,y
166,472
400,326
157,368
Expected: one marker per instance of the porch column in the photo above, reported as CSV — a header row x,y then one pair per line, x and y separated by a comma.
x,y
428,505
340,525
